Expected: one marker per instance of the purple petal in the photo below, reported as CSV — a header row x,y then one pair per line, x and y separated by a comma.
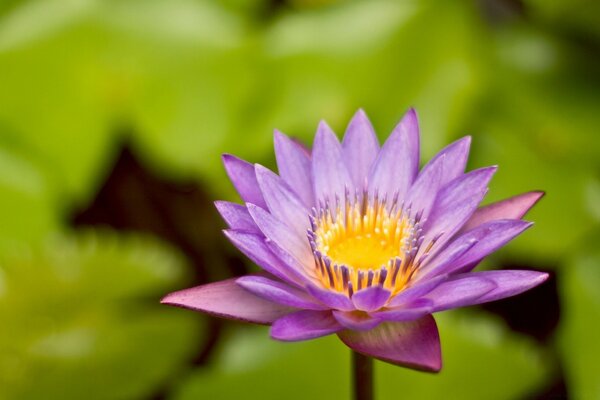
x,y
334,300
371,298
512,208
241,174
408,312
455,160
295,167
397,164
227,299
255,248
236,216
459,291
415,291
285,237
454,205
330,175
508,283
467,250
304,325
355,320
282,201
414,344
278,292
361,147
423,192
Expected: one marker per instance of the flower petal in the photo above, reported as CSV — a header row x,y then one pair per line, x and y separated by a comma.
x,y
477,243
278,292
330,175
455,160
255,248
355,320
334,300
360,146
304,325
241,174
285,237
282,201
415,291
512,208
236,216
227,299
508,283
408,312
459,291
424,191
414,344
295,167
371,298
454,205
397,164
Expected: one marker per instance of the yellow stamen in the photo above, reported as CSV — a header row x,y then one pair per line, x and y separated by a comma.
x,y
360,245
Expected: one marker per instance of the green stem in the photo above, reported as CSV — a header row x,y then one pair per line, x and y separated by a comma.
x,y
363,376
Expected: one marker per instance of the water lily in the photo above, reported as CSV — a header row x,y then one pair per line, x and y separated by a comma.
x,y
354,240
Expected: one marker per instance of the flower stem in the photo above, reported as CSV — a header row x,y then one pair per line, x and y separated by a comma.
x,y
363,376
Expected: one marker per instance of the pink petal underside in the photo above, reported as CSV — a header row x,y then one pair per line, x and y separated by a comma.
x,y
228,300
294,164
279,292
360,146
414,344
512,208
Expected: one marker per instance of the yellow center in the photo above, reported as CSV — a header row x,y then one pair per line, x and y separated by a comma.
x,y
361,244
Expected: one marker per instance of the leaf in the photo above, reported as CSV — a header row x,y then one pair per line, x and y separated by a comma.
x,y
578,338
473,347
85,321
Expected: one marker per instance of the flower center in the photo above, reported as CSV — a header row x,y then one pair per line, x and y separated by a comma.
x,y
362,243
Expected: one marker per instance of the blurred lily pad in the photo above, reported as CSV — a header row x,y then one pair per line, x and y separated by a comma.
x,y
578,338
82,319
477,352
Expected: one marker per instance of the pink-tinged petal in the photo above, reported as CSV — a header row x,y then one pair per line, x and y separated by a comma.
x,y
360,147
423,192
284,236
255,248
334,300
371,298
508,283
459,291
397,164
330,175
454,205
455,160
236,216
282,201
278,292
415,291
414,344
512,208
295,167
408,312
468,249
304,325
355,320
227,299
241,174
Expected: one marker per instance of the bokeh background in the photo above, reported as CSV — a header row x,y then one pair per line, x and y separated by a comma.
x,y
113,116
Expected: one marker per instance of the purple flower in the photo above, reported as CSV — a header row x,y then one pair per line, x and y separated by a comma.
x,y
354,240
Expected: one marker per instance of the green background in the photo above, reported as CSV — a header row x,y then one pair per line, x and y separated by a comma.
x,y
113,116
